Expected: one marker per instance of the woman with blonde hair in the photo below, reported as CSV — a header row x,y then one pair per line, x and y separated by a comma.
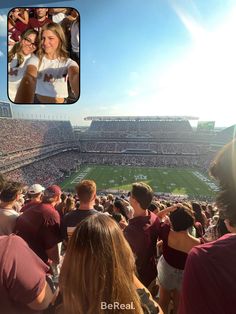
x,y
98,272
18,59
46,76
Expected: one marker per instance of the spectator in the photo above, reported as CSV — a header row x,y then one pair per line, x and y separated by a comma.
x,y
98,206
35,193
39,226
177,242
10,193
23,285
61,206
142,232
86,192
98,244
209,282
40,20
18,58
51,65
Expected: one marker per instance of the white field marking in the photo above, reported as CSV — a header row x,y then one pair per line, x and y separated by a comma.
x,y
81,176
208,182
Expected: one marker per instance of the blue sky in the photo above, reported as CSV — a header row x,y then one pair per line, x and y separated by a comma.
x,y
138,57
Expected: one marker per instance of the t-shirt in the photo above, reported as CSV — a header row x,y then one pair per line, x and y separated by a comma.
x,y
142,233
36,24
52,76
72,219
39,226
15,74
209,283
7,220
22,276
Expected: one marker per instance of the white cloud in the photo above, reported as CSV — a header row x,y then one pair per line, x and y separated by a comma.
x,y
3,25
1,54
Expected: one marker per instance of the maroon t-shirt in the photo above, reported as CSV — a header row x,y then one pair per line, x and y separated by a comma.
x,y
36,24
142,234
39,226
209,284
22,275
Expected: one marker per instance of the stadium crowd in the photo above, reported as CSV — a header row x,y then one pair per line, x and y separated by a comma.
x,y
138,253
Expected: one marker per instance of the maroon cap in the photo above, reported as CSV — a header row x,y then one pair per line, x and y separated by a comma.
x,y
53,190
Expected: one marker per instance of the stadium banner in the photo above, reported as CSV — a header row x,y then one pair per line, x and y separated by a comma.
x,y
5,110
206,125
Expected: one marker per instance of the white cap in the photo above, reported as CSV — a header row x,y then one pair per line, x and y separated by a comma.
x,y
35,189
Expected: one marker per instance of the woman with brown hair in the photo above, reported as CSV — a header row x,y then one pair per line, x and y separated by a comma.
x,y
98,272
18,59
46,75
177,242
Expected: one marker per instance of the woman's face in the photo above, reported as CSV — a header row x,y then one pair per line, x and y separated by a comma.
x,y
29,44
50,42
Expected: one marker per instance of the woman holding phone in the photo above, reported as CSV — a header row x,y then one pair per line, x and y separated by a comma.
x,y
47,73
18,59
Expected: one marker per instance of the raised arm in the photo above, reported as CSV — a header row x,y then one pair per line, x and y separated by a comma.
x,y
26,90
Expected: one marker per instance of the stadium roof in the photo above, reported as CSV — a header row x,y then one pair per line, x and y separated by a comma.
x,y
139,118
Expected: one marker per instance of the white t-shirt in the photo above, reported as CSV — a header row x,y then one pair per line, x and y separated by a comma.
x,y
15,75
52,76
58,17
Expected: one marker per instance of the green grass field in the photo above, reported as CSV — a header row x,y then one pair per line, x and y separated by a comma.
x,y
166,180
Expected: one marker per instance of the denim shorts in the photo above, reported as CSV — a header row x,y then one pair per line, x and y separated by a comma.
x,y
169,277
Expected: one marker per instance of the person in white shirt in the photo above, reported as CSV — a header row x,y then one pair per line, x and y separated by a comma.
x,y
18,58
46,75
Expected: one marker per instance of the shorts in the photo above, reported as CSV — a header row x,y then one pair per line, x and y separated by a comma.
x,y
168,276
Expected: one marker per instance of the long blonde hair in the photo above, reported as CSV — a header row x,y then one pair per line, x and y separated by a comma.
x,y
58,31
98,267
17,48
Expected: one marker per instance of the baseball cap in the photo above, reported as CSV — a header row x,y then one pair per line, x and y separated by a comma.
x,y
35,189
53,190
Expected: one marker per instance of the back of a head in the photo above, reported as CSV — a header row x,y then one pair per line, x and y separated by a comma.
x,y
97,244
86,191
223,169
142,193
52,194
182,218
10,191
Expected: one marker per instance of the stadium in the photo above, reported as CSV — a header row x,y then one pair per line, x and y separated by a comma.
x,y
115,151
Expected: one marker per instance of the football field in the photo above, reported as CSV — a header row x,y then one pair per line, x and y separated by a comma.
x,y
163,180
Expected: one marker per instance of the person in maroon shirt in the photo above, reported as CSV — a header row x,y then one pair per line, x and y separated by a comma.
x,y
40,20
39,226
35,193
142,232
23,285
177,242
209,282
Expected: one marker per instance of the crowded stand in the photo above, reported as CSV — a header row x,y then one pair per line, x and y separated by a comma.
x,y
19,135
46,171
139,252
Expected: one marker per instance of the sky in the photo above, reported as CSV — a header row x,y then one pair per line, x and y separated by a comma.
x,y
154,57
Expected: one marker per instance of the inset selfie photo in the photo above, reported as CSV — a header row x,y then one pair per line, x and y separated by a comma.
x,y
43,55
